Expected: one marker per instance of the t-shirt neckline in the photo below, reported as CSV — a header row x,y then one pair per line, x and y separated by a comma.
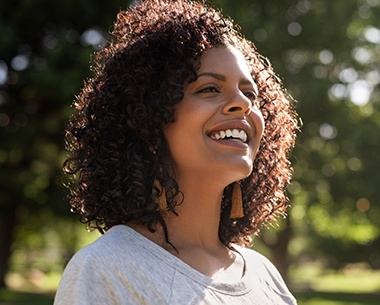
x,y
242,286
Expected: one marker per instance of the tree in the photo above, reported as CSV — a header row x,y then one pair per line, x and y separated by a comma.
x,y
44,55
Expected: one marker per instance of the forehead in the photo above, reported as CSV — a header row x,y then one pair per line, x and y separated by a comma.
x,y
224,59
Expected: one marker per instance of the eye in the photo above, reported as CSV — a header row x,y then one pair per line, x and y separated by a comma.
x,y
253,97
250,94
209,89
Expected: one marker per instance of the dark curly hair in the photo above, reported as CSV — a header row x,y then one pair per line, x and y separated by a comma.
x,y
116,136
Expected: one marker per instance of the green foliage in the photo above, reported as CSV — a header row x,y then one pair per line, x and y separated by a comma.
x,y
329,57
46,243
43,59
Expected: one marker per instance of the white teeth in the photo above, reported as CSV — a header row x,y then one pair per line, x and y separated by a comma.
x,y
236,133
228,133
243,135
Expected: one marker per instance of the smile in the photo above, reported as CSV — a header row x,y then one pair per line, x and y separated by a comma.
x,y
230,134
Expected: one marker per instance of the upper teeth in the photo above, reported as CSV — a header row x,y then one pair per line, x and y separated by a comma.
x,y
228,133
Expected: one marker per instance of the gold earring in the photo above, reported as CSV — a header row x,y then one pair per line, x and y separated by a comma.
x,y
237,202
160,196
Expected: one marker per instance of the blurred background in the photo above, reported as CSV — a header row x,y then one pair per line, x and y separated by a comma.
x,y
328,55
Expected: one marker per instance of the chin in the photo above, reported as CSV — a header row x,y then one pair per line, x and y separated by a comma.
x,y
242,172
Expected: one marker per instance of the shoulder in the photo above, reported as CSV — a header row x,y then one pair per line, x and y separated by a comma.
x,y
119,250
117,240
117,265
258,261
267,274
104,251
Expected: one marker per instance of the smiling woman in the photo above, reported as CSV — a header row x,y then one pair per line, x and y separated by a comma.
x,y
218,104
179,148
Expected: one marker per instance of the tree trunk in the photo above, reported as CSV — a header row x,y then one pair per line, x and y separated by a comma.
x,y
7,226
279,250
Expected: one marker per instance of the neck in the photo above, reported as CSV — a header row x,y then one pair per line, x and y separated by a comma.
x,y
197,223
194,232
198,220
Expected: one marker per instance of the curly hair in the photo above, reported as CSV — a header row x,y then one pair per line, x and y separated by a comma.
x,y
115,137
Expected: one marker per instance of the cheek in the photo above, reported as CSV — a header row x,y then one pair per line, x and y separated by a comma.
x,y
178,139
170,134
257,119
190,117
180,147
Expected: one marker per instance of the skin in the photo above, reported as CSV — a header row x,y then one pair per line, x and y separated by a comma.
x,y
222,97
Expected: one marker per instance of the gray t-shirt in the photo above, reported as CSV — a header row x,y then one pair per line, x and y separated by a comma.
x,y
124,267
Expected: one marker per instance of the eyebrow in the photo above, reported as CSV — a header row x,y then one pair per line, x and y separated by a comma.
x,y
214,75
223,78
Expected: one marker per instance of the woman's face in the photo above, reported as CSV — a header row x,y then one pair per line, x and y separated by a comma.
x,y
217,128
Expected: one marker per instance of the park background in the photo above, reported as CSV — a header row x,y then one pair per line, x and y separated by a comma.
x,y
328,54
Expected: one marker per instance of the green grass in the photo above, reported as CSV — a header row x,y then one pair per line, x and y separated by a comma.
x,y
354,285
359,280
337,298
9,297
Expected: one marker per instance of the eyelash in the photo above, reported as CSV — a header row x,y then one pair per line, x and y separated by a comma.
x,y
209,89
252,96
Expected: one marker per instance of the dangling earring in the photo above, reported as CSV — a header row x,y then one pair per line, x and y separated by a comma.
x,y
237,202
161,196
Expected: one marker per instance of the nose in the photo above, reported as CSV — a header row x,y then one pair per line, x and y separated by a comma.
x,y
238,103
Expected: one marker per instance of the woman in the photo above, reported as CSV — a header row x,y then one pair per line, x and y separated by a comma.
x,y
179,151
